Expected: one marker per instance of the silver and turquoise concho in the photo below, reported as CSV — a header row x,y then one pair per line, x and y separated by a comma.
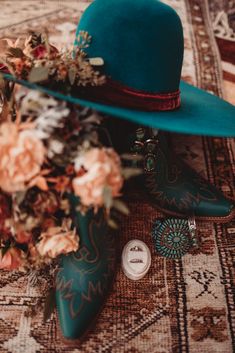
x,y
172,237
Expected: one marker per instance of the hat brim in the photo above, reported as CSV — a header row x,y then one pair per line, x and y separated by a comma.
x,y
200,113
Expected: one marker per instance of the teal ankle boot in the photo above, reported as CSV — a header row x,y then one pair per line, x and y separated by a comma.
x,y
172,186
85,277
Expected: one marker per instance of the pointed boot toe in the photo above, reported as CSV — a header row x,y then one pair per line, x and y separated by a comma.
x,y
218,208
86,276
178,190
174,187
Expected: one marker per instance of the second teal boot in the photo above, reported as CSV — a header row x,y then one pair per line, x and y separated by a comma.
x,y
171,185
86,276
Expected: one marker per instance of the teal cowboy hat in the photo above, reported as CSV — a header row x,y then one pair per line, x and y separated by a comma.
x,y
141,43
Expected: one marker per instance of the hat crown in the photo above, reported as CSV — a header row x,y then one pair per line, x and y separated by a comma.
x,y
141,42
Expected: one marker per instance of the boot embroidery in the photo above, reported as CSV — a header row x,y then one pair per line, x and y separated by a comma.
x,y
71,289
184,202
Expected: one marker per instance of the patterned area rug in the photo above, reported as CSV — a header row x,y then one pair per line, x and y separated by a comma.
x,y
180,306
223,21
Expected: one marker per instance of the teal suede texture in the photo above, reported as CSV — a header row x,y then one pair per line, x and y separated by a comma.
x,y
141,42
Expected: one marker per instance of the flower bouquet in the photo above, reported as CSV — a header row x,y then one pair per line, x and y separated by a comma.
x,y
50,150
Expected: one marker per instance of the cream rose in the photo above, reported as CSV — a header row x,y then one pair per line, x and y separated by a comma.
x,y
102,169
21,157
56,241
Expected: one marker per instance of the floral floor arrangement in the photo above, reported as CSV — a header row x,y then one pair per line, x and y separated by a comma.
x,y
48,150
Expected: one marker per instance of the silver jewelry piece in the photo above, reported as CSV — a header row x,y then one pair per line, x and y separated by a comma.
x,y
136,261
192,229
136,248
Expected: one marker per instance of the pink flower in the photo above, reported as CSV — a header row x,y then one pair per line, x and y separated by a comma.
x,y
21,157
4,68
58,240
5,211
12,259
18,65
22,236
40,51
102,169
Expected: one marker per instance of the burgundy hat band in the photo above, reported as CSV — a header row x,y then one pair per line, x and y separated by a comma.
x,y
114,93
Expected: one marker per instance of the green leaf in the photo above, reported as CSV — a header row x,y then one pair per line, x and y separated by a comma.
x,y
16,52
50,304
96,61
112,223
38,74
20,196
107,196
132,157
131,172
2,82
121,207
5,249
72,75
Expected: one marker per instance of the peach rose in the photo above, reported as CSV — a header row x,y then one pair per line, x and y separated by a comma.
x,y
12,259
21,157
23,237
18,65
56,241
102,169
